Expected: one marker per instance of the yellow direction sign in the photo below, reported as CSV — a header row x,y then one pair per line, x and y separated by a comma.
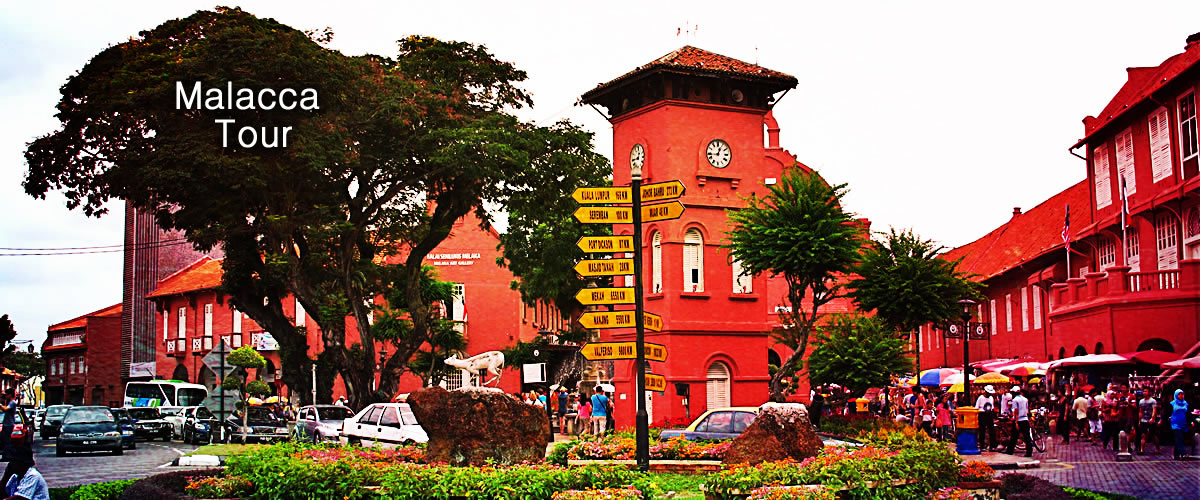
x,y
594,351
619,319
656,382
601,296
600,244
624,215
604,267
662,191
603,195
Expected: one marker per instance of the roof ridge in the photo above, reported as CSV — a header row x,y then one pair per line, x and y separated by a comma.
x,y
83,316
183,269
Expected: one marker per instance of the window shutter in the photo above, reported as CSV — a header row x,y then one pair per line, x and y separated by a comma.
x,y
1008,312
718,385
1037,307
656,263
992,309
166,323
1132,252
1167,240
299,311
1024,308
182,322
1125,161
693,261
1101,174
1160,145
208,312
237,320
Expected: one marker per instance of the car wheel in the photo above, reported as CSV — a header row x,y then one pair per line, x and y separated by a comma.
x,y
119,451
59,452
316,438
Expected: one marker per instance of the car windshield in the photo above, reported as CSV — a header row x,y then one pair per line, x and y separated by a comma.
x,y
190,396
334,413
88,416
57,411
144,413
262,415
203,413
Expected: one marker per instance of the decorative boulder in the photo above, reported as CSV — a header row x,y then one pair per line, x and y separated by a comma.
x,y
473,425
781,431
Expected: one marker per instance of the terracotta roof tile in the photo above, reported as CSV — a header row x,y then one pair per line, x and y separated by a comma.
x,y
1140,85
204,274
112,311
1025,236
694,60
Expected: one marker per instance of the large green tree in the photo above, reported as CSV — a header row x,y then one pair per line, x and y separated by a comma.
x,y
858,353
904,281
373,179
799,231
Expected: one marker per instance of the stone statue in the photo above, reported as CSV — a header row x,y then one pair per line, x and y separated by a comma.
x,y
492,361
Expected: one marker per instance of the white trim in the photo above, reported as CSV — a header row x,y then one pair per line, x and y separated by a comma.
x,y
1187,129
656,284
992,310
237,320
1037,307
1008,312
182,323
1125,162
693,261
299,309
1024,308
208,320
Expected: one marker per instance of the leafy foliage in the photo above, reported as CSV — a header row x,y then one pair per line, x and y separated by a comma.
x,y
7,333
246,357
108,490
858,352
799,231
29,364
258,387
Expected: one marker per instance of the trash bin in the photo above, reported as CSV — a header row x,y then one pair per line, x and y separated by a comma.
x,y
967,420
860,405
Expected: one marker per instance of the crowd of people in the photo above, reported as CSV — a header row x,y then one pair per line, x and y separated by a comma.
x,y
575,412
1100,418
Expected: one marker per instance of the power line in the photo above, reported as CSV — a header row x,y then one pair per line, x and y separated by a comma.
x,y
181,241
87,248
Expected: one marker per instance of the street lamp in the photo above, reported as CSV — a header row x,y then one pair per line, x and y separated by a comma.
x,y
967,330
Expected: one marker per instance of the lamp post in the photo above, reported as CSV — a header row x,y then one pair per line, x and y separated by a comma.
x,y
639,367
968,419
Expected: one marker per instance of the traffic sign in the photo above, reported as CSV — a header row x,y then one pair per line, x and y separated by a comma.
x,y
600,296
656,382
594,351
619,319
662,191
624,215
601,244
216,357
604,267
603,195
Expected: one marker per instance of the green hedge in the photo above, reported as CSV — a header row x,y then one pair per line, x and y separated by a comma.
x,y
108,490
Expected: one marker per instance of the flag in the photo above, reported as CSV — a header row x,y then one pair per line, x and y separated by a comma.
x,y
1124,206
1066,233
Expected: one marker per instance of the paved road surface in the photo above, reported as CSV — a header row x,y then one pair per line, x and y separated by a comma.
x,y
83,468
1151,476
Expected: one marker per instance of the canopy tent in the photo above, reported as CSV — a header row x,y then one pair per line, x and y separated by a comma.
x,y
1193,362
987,364
1153,357
993,378
1008,366
1091,359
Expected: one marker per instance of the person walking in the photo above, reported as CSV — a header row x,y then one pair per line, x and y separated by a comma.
x,y
927,418
1094,425
944,420
1179,424
1080,413
599,411
10,419
1147,416
986,404
1064,407
583,419
1019,408
562,410
1111,415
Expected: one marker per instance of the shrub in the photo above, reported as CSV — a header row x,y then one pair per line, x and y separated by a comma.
x,y
63,493
108,490
852,426
976,471
613,493
166,486
558,454
625,448
220,487
1096,495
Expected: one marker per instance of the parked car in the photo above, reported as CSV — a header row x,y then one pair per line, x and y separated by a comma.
x,y
385,425
128,431
54,418
148,423
261,425
36,416
730,422
89,428
174,416
22,431
318,423
199,425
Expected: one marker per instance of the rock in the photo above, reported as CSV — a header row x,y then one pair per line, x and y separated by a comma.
x,y
781,431
469,427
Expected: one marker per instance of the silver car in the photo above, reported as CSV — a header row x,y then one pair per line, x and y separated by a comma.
x,y
316,423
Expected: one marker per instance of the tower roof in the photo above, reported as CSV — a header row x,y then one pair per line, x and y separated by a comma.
x,y
695,61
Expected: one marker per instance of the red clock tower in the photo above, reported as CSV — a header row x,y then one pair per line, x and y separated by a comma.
x,y
699,118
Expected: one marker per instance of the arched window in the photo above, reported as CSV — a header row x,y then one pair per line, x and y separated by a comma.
x,y
1156,344
1099,348
693,261
1062,352
656,262
743,282
1080,351
773,359
718,385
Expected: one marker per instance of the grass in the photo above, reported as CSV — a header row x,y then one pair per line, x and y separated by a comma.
x,y
685,486
226,450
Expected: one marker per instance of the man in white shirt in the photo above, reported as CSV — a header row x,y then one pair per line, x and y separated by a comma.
x,y
986,404
1005,401
1019,407
1079,415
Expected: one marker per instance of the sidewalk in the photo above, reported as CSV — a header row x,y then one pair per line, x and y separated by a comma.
x,y
1085,465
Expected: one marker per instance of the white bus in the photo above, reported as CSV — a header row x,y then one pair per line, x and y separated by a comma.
x,y
164,393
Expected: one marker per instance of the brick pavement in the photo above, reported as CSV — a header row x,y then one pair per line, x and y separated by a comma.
x,y
86,468
1151,476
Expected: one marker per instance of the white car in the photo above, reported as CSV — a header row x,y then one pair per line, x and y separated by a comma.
x,y
174,416
384,425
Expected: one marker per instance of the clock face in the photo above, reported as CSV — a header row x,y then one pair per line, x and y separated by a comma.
x,y
637,156
718,153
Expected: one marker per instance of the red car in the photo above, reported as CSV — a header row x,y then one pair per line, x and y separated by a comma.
x,y
22,432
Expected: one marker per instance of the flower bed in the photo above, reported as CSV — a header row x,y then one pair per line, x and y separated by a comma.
x,y
623,448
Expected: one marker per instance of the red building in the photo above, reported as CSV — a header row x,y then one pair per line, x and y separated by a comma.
x,y
1125,290
700,118
192,316
81,365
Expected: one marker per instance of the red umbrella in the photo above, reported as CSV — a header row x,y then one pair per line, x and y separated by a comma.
x,y
1153,357
1022,371
1183,363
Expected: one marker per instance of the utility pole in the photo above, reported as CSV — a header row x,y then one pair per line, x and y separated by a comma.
x,y
643,428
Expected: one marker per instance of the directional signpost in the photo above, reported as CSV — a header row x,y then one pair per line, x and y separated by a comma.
x,y
215,361
638,318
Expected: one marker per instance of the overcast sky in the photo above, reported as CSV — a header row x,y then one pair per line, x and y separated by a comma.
x,y
941,116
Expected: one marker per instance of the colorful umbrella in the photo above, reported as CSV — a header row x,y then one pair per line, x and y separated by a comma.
x,y
272,400
993,378
935,376
254,401
955,379
1022,371
1035,380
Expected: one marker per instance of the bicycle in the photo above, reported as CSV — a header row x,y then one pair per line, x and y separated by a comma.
x,y
1038,430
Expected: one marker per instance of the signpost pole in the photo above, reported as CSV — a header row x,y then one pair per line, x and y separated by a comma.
x,y
643,428
221,387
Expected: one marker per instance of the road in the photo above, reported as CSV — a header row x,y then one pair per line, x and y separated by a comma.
x,y
83,468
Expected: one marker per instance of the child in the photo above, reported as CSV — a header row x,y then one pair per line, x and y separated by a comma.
x,y
943,419
927,418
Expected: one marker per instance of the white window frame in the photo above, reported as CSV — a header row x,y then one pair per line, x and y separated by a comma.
x,y
237,320
459,308
629,277
208,320
1008,312
992,311
182,322
1037,307
1188,149
656,263
1159,129
1166,240
1102,176
1132,250
742,282
53,367
1106,253
1125,162
299,308
1024,308
693,261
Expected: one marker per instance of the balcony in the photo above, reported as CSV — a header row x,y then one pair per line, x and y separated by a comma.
x,y
68,339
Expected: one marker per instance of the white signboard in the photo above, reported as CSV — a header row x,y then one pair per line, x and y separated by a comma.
x,y
264,342
533,373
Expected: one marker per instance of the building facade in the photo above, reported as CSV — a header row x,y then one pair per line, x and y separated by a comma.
x,y
1133,278
81,362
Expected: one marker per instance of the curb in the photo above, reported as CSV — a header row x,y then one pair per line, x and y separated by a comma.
x,y
1031,464
199,461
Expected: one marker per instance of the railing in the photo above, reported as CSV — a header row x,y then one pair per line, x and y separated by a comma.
x,y
176,346
66,339
1153,280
